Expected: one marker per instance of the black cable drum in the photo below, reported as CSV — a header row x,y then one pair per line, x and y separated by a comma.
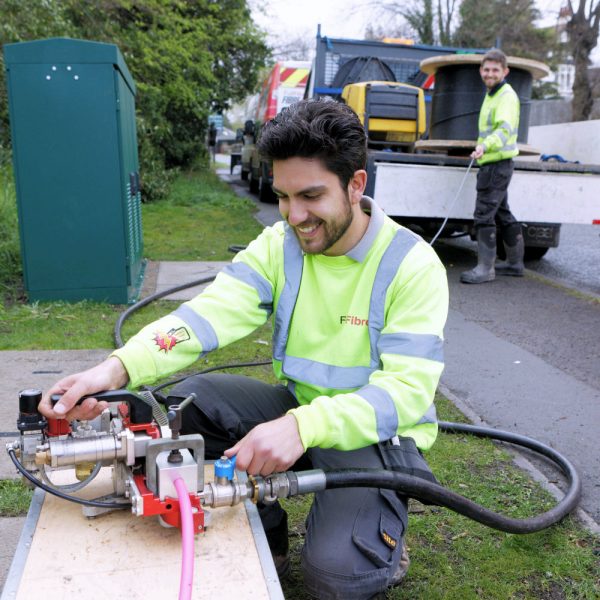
x,y
457,99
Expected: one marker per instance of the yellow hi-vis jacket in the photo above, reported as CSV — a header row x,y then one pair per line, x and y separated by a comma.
x,y
358,339
499,125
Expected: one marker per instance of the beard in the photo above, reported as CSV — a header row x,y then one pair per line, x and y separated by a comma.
x,y
331,230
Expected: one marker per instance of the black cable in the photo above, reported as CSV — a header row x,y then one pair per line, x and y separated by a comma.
x,y
209,370
127,313
422,489
118,339
50,490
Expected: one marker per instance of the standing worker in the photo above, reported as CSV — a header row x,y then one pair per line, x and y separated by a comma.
x,y
496,147
358,305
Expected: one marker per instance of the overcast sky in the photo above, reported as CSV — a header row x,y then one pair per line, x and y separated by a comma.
x,y
339,18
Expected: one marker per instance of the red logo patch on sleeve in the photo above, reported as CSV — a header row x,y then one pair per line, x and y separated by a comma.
x,y
167,341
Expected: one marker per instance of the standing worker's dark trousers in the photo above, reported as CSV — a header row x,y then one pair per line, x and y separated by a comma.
x,y
354,536
491,210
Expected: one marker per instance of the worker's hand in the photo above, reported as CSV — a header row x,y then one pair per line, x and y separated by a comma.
x,y
478,152
108,375
269,448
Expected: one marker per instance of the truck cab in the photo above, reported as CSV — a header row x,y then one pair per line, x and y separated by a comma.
x,y
283,86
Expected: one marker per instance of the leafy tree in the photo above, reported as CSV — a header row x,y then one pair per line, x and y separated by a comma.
x,y
511,22
188,58
583,29
424,20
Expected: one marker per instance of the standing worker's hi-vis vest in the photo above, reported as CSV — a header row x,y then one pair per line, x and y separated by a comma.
x,y
499,125
357,338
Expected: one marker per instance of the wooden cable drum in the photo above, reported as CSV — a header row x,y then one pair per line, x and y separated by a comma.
x,y
459,93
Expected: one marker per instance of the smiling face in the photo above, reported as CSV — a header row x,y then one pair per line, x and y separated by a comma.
x,y
492,73
326,218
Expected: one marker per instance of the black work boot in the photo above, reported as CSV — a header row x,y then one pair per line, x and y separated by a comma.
x,y
486,256
515,249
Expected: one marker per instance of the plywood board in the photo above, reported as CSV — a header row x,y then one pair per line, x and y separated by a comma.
x,y
120,555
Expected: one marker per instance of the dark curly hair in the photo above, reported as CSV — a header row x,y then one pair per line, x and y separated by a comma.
x,y
323,129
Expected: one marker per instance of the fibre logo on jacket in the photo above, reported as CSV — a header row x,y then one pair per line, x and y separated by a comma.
x,y
353,320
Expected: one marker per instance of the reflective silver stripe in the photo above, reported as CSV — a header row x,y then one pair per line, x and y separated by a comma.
x,y
419,345
508,148
245,273
429,417
324,375
293,263
506,125
395,253
202,329
503,137
386,415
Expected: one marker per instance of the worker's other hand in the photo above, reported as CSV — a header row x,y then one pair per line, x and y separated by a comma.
x,y
108,375
269,448
478,152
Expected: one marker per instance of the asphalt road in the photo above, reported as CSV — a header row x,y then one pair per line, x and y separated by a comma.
x,y
523,354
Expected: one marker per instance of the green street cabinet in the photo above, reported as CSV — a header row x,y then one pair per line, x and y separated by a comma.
x,y
72,117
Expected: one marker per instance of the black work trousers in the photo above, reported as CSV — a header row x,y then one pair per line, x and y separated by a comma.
x,y
491,206
354,536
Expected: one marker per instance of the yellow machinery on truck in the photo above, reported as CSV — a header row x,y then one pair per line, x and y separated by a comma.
x,y
392,113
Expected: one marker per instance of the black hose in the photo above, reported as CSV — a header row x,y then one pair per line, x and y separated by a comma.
x,y
418,488
118,339
59,494
210,370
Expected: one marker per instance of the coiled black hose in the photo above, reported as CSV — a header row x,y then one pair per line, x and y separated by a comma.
x,y
418,488
117,337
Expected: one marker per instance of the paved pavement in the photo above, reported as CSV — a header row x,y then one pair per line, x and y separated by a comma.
x,y
504,384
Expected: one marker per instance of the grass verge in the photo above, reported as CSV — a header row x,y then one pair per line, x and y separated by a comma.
x,y
199,220
15,498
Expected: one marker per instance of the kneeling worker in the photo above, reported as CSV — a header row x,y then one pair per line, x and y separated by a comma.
x,y
359,305
496,147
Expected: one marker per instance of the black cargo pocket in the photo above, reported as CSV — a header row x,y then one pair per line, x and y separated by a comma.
x,y
500,178
379,527
484,178
405,458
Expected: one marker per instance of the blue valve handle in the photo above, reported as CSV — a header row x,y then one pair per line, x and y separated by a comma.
x,y
225,467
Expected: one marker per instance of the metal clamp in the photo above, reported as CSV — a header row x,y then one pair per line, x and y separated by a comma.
x,y
194,442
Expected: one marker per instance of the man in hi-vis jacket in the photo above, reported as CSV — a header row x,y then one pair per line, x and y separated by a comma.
x,y
358,305
496,147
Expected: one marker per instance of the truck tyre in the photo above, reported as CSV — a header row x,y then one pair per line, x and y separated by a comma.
x,y
252,183
534,252
244,175
265,193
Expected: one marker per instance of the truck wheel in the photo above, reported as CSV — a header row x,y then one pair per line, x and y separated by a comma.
x,y
253,183
244,175
266,193
534,252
